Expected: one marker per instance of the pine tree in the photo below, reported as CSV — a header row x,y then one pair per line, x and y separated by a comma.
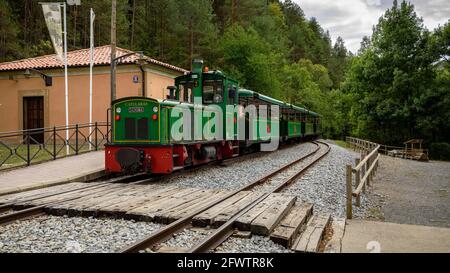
x,y
338,62
9,30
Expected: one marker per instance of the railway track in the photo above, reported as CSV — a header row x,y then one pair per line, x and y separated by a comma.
x,y
40,210
84,191
179,208
278,179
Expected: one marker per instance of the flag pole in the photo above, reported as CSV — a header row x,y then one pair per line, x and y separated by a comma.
x,y
91,64
66,80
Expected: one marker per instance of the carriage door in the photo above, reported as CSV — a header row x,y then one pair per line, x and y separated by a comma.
x,y
33,117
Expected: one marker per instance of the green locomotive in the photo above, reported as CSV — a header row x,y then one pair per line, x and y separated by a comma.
x,y
200,121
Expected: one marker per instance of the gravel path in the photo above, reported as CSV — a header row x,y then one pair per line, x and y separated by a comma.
x,y
242,172
412,192
51,234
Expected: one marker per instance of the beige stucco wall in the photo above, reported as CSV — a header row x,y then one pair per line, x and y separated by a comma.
x,y
157,85
13,90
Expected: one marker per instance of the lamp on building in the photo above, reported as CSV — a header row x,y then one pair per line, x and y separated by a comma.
x,y
47,79
27,73
113,71
141,61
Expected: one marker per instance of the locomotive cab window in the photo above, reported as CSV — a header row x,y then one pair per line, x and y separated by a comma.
x,y
185,92
212,91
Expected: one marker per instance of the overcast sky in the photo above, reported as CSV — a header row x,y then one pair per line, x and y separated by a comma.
x,y
352,19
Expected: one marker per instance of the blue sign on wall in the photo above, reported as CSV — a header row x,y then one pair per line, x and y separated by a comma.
x,y
136,79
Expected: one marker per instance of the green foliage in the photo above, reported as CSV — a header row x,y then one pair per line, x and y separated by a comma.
x,y
339,62
309,85
399,83
440,151
269,46
9,30
248,58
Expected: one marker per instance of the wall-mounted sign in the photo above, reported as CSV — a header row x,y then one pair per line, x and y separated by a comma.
x,y
135,79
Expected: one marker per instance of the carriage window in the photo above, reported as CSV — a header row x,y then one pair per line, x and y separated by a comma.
x,y
232,95
212,92
185,94
263,114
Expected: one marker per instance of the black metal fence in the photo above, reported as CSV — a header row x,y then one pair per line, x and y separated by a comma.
x,y
23,148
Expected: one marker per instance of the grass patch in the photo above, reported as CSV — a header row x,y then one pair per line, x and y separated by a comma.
x,y
341,143
376,213
37,152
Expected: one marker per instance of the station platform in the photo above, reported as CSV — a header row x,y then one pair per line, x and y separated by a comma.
x,y
69,169
381,237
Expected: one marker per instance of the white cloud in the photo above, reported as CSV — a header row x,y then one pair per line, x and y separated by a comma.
x,y
352,19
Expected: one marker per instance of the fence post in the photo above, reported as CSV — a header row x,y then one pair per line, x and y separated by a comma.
x,y
376,163
357,182
369,164
362,173
96,143
54,143
107,124
76,139
349,192
28,148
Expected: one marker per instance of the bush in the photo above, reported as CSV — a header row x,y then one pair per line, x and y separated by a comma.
x,y
440,151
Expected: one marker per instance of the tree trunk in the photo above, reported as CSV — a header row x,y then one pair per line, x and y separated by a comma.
x,y
85,30
133,15
233,12
75,13
191,44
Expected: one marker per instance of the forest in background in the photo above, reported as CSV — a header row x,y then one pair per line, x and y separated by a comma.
x,y
396,87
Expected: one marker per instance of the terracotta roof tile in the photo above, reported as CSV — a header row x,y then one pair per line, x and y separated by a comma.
x,y
80,58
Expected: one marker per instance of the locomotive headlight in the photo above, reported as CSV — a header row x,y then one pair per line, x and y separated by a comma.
x,y
155,109
118,110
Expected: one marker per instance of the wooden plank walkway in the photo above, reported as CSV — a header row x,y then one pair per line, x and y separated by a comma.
x,y
290,226
265,223
279,216
309,240
335,243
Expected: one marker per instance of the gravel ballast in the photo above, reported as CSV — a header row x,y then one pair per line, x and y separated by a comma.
x,y
241,172
324,184
52,234
185,239
255,244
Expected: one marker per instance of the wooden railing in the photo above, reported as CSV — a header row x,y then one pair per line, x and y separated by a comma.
x,y
363,172
402,152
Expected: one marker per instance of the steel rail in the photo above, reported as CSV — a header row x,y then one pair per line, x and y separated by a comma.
x,y
166,232
10,205
39,210
227,229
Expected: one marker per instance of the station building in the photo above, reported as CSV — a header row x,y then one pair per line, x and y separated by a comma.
x,y
32,91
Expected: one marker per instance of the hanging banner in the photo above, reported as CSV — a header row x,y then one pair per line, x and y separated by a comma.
x,y
52,15
92,30
74,2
